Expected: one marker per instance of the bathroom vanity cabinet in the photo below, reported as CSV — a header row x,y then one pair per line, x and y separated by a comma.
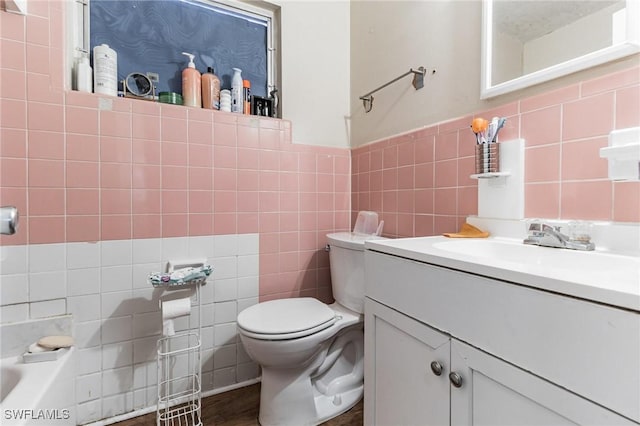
x,y
444,346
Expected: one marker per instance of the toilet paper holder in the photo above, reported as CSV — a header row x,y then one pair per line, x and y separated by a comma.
x,y
181,346
181,274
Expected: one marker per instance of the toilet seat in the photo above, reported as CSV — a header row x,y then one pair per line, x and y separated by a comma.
x,y
286,319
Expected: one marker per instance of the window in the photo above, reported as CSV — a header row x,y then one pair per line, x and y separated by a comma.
x,y
150,36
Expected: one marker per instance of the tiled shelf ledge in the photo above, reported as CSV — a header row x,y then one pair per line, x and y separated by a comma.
x,y
140,106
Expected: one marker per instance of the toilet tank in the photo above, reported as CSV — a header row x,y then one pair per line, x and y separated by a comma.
x,y
346,260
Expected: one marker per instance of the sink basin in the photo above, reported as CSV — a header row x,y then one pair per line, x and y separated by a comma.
x,y
512,251
598,276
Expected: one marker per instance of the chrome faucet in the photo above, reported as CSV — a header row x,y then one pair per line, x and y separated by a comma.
x,y
541,234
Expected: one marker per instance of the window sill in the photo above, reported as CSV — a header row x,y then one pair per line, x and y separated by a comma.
x,y
154,108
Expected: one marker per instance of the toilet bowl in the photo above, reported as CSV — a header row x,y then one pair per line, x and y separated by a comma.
x,y
311,354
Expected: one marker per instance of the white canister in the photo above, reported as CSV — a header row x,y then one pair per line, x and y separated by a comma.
x,y
84,77
225,100
105,70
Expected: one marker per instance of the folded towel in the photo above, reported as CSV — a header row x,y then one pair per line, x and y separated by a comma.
x,y
180,276
467,231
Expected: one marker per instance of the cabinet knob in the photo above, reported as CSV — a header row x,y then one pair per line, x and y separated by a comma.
x,y
455,379
436,367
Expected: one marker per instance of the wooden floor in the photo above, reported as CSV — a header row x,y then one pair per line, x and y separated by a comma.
x,y
240,408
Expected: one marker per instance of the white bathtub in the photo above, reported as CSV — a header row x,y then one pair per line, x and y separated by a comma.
x,y
40,393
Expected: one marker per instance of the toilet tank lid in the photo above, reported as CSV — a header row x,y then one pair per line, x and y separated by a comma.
x,y
285,316
351,240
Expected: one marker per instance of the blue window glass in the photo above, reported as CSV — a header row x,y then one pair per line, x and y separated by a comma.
x,y
150,36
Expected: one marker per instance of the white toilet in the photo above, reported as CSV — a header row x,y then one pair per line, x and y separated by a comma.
x,y
312,354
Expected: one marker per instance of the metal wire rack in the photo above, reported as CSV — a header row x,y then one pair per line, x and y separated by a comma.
x,y
179,366
179,372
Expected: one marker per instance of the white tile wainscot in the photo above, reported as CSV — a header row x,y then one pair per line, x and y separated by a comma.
x,y
116,316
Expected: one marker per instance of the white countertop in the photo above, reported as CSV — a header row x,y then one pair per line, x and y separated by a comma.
x,y
602,277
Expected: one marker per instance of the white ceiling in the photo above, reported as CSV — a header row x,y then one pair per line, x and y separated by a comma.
x,y
529,19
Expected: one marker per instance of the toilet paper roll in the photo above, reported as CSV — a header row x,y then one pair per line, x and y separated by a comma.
x,y
172,309
168,328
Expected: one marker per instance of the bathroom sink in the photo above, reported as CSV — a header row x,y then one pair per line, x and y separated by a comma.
x,y
515,251
595,275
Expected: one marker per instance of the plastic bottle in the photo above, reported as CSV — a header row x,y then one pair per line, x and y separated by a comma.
x,y
84,75
105,67
236,91
191,84
246,94
210,90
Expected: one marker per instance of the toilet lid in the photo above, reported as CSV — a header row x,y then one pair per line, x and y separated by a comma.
x,y
351,240
286,318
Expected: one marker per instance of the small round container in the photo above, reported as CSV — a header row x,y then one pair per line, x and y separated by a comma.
x,y
170,98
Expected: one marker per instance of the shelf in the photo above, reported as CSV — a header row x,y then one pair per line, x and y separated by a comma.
x,y
623,154
629,152
489,175
178,286
16,6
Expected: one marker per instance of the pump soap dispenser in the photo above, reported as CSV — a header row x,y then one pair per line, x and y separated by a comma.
x,y
191,84
236,91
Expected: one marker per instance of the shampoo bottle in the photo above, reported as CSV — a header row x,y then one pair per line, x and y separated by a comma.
x,y
236,91
191,84
210,90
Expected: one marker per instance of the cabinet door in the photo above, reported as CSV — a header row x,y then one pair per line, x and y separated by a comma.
x,y
497,393
400,385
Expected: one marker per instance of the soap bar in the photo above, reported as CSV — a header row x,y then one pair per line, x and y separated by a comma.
x,y
55,342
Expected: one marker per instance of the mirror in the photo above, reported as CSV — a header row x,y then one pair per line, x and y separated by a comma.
x,y
526,42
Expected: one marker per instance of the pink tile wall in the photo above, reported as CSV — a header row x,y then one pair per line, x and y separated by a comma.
x,y
412,180
144,170
419,182
78,172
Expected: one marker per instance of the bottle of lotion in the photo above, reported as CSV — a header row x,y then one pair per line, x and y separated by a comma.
x,y
236,91
105,70
191,84
210,90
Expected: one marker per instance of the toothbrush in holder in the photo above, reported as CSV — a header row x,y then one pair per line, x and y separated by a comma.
x,y
494,127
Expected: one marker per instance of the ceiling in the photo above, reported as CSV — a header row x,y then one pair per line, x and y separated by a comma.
x,y
529,19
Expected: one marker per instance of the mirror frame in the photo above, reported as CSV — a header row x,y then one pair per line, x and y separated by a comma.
x,y
630,46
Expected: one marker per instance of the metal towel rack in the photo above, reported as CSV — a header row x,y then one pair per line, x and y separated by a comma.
x,y
418,83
